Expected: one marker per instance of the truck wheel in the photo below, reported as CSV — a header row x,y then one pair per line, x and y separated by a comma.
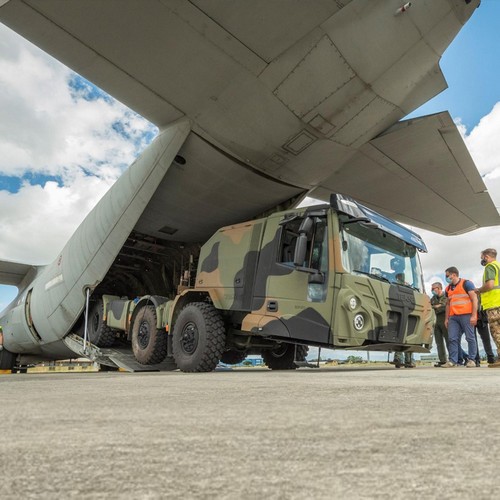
x,y
233,357
199,338
7,359
283,356
148,342
100,334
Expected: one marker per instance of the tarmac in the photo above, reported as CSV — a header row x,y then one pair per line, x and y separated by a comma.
x,y
251,434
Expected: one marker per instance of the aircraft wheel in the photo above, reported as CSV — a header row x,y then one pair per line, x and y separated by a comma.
x,y
149,343
283,356
199,338
233,357
7,359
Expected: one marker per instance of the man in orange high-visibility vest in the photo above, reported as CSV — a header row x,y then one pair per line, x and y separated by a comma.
x,y
460,316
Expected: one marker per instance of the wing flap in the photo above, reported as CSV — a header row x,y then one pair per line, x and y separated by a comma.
x,y
422,167
13,273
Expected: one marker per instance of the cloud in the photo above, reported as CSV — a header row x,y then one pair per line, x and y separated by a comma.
x,y
463,251
484,145
55,125
36,222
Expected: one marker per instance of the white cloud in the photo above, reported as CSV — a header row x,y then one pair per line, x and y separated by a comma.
x,y
36,222
49,127
460,251
463,251
484,145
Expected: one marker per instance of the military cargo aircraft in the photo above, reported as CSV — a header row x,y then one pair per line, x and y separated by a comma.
x,y
259,104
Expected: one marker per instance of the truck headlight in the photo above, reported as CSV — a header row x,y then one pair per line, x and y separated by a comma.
x,y
353,303
359,322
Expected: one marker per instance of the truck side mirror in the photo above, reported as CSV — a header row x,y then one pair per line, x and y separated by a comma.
x,y
300,250
301,246
306,226
316,278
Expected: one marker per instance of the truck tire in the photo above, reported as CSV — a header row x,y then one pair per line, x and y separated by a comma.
x,y
199,338
7,359
283,356
149,343
99,333
233,357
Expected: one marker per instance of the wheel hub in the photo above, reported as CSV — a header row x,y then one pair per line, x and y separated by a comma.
x,y
280,351
189,338
143,334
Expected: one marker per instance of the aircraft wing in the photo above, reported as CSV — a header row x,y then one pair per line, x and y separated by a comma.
x,y
297,95
422,167
13,273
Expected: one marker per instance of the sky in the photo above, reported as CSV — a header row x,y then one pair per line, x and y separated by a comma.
x,y
63,143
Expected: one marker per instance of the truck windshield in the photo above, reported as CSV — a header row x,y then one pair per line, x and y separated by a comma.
x,y
371,251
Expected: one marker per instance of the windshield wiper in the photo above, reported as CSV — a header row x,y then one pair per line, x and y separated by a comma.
x,y
371,275
356,219
406,284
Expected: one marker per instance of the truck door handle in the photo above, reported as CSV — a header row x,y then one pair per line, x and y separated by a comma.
x,y
272,306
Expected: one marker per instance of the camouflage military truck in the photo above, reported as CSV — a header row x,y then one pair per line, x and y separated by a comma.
x,y
338,276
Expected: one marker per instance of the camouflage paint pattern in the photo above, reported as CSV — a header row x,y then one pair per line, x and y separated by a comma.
x,y
116,311
239,267
227,265
120,313
412,318
494,324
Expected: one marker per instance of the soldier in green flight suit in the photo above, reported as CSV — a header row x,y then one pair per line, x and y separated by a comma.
x,y
438,303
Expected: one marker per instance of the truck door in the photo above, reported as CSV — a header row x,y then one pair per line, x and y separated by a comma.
x,y
298,294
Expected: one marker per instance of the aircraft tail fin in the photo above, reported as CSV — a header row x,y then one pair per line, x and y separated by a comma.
x,y
13,273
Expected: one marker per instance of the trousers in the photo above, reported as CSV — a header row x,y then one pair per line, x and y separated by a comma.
x,y
494,322
457,326
441,338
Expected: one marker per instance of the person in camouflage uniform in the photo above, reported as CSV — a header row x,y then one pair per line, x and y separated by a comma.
x,y
490,295
483,330
406,360
438,303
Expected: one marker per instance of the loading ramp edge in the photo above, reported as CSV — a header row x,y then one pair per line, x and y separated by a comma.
x,y
120,357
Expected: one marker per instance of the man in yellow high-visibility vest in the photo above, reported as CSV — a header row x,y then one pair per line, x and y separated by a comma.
x,y
490,296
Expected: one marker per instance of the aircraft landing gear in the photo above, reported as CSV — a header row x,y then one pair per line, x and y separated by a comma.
x,y
7,359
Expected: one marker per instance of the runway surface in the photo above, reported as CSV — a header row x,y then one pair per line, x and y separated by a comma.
x,y
252,434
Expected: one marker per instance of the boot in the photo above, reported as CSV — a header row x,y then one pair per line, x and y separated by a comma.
x,y
491,359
